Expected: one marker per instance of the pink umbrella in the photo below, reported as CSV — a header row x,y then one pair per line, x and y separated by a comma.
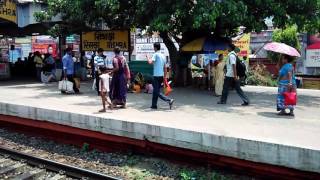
x,y
281,48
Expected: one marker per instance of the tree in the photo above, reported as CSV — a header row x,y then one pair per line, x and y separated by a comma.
x,y
185,20
288,36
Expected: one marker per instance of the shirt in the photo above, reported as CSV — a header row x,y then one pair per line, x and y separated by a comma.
x,y
105,79
232,60
102,61
158,64
68,64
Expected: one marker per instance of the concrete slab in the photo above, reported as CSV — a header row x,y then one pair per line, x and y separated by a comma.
x,y
252,133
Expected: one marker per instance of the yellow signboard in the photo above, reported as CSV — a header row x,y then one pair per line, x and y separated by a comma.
x,y
8,10
244,45
107,40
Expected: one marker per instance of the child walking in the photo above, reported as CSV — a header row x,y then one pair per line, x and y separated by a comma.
x,y
104,88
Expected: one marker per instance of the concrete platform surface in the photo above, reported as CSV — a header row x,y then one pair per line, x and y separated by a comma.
x,y
252,133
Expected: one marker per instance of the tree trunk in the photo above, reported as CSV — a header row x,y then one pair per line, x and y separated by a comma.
x,y
181,75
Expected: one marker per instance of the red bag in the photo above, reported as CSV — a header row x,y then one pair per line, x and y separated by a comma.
x,y
166,88
290,98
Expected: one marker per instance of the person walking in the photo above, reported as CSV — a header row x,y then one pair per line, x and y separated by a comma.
x,y
120,78
159,73
68,69
231,78
99,61
286,83
219,75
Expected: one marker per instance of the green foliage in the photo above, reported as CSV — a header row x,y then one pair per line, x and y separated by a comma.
x,y
85,147
200,175
179,17
183,20
287,36
259,76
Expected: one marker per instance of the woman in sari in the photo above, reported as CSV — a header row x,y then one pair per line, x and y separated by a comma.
x,y
219,75
121,74
286,83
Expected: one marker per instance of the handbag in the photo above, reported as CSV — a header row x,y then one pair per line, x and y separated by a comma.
x,y
166,88
66,86
290,98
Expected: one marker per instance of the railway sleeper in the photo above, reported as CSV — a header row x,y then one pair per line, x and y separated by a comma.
x,y
58,177
35,174
11,168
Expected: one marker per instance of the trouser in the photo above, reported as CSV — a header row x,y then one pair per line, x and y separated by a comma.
x,y
228,82
96,73
39,69
157,80
70,78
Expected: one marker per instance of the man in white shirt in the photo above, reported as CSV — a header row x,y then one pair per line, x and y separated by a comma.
x,y
231,78
159,73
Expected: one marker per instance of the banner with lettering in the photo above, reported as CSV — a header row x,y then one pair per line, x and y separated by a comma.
x,y
244,45
107,40
8,10
313,58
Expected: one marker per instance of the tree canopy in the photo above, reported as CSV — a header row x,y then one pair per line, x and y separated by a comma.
x,y
184,20
220,17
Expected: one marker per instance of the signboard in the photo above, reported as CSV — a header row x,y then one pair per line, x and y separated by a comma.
x,y
244,45
313,58
143,49
43,48
107,40
8,10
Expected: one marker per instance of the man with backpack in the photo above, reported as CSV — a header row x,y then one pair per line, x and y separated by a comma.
x,y
242,70
232,77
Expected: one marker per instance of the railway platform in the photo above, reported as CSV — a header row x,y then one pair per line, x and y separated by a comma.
x,y
196,123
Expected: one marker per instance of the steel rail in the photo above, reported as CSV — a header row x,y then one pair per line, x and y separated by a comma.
x,y
68,170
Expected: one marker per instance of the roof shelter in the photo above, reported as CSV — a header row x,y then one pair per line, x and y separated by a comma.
x,y
17,19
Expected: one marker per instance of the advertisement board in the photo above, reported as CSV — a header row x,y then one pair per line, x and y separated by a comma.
x,y
107,40
244,45
43,48
313,58
143,49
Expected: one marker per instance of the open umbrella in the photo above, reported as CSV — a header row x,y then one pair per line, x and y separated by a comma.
x,y
205,45
281,48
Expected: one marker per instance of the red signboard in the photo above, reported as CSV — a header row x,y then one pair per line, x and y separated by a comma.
x,y
43,48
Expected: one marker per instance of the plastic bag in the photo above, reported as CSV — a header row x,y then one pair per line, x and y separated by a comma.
x,y
166,88
66,86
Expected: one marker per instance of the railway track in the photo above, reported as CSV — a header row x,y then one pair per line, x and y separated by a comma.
x,y
17,165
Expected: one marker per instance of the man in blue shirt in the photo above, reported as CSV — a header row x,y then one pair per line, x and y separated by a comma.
x,y
68,69
159,73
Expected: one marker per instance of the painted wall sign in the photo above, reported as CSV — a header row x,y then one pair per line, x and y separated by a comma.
x,y
8,10
107,40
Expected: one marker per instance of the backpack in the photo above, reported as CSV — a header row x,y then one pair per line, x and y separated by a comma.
x,y
241,67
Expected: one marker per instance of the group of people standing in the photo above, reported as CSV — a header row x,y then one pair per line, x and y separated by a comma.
x,y
113,75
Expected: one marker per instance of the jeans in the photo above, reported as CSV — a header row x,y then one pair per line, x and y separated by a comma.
x,y
157,80
228,82
39,69
96,73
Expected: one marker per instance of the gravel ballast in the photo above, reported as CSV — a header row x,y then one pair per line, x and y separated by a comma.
x,y
125,166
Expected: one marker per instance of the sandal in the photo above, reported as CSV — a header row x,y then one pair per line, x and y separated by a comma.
x,y
110,107
282,113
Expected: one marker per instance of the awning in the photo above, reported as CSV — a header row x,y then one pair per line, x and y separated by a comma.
x,y
205,45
